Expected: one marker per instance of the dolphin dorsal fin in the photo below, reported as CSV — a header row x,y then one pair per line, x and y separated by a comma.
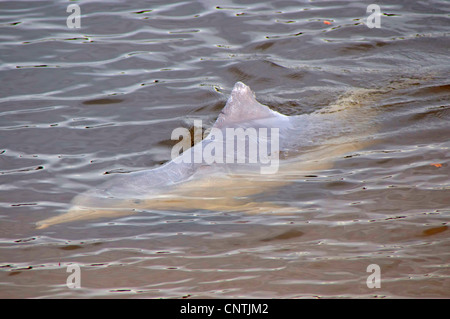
x,y
242,106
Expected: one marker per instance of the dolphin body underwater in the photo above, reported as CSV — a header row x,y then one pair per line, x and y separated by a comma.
x,y
294,146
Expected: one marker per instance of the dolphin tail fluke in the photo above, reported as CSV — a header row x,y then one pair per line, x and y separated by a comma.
x,y
81,213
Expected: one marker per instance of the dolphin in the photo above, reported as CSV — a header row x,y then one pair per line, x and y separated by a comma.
x,y
269,150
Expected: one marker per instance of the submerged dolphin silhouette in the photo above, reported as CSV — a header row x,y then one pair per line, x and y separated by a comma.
x,y
303,143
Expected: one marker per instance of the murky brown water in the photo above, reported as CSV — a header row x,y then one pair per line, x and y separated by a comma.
x,y
76,103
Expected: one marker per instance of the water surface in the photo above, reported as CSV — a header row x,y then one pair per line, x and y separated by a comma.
x,y
78,105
